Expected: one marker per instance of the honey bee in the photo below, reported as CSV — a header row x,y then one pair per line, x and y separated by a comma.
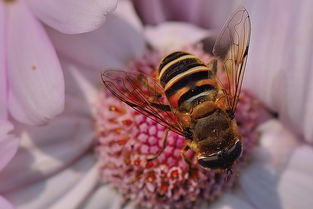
x,y
189,97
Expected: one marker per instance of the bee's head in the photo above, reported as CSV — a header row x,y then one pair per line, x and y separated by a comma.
x,y
221,159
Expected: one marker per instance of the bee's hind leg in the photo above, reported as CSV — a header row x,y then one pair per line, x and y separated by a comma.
x,y
162,148
183,153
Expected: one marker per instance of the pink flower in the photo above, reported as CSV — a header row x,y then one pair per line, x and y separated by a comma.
x,y
126,139
56,167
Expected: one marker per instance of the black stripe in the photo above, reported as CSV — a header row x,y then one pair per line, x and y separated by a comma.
x,y
179,67
169,58
187,80
193,92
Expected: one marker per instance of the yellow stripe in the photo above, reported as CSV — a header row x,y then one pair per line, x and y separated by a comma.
x,y
186,73
175,97
173,62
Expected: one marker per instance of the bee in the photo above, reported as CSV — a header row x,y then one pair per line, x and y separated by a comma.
x,y
189,97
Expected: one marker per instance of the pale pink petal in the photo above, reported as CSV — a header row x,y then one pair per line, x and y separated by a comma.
x,y
4,204
105,197
35,76
46,150
259,181
230,201
126,10
72,16
174,35
205,13
111,46
3,73
8,143
296,183
151,12
277,143
82,88
80,191
280,67
45,193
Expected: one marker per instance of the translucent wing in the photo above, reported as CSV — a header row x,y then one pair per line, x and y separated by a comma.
x,y
232,47
144,94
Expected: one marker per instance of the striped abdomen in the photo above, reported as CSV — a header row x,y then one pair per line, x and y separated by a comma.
x,y
187,81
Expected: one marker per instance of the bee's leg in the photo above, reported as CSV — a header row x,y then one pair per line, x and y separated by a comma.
x,y
184,150
162,148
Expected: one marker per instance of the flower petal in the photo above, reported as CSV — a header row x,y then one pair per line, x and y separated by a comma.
x,y
35,76
105,197
81,88
284,71
174,35
205,13
4,204
46,150
230,201
8,144
44,193
72,16
111,46
296,184
3,73
127,11
269,161
276,145
78,194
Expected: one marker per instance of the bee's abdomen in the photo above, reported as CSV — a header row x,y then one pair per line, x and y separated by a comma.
x,y
186,79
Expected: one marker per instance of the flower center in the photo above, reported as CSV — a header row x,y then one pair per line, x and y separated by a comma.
x,y
126,139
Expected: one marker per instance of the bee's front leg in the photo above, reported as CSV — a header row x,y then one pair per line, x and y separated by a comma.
x,y
162,148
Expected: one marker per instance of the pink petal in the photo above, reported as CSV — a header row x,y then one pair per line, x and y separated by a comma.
x,y
230,201
43,194
105,197
276,145
82,88
150,12
35,76
80,191
4,204
281,73
46,150
3,73
174,35
205,13
258,182
111,46
8,144
72,16
296,184
127,11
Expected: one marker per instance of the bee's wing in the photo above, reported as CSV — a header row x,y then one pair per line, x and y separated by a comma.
x,y
232,47
144,94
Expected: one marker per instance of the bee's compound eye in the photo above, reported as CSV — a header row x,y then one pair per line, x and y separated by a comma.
x,y
222,159
211,162
234,152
